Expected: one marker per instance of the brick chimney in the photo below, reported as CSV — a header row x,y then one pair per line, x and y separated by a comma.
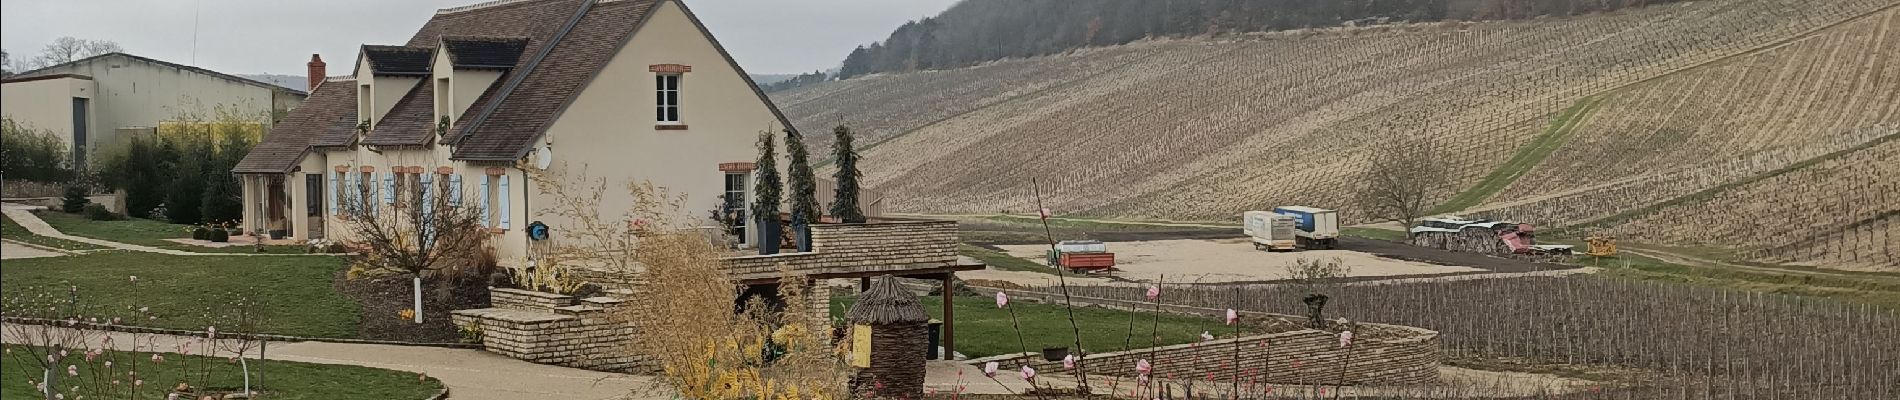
x,y
317,72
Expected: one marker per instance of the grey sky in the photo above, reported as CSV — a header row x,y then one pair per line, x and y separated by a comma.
x,y
271,36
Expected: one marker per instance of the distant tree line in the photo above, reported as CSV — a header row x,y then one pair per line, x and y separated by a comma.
x,y
62,50
796,81
975,31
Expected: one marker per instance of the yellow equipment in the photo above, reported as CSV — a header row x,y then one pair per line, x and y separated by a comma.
x,y
1601,245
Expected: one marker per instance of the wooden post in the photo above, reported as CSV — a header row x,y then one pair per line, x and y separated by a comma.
x,y
864,283
949,318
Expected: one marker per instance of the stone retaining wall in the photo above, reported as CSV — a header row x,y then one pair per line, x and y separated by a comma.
x,y
545,328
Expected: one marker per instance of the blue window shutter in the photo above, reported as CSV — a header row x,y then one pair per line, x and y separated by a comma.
x,y
455,190
505,194
389,188
484,196
331,199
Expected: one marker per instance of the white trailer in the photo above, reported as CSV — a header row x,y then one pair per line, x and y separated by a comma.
x,y
1270,231
1316,228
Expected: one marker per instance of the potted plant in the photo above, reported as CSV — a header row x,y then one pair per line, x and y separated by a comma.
x,y
277,230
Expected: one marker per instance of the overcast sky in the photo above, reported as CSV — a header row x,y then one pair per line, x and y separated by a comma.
x,y
270,36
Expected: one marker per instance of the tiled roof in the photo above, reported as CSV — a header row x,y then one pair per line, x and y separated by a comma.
x,y
407,123
398,60
536,92
221,75
538,81
284,147
484,51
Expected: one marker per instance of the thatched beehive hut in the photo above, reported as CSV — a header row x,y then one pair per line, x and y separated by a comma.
x,y
898,337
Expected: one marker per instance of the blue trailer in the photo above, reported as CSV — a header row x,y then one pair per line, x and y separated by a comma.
x,y
1315,228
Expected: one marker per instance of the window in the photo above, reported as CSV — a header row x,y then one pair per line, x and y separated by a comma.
x,y
363,99
442,100
667,96
735,207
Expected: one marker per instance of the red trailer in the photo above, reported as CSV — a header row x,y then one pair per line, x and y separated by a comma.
x,y
1088,261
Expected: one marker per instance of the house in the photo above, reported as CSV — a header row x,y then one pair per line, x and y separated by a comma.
x,y
632,90
87,102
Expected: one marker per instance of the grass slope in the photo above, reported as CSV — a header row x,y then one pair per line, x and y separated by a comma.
x,y
1711,192
190,292
12,230
983,330
280,380
1560,131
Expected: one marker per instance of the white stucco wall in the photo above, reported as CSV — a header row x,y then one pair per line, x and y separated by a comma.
x,y
610,127
47,104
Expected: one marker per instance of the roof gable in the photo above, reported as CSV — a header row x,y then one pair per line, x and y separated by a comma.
x,y
53,69
523,110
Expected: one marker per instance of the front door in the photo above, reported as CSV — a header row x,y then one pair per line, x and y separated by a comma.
x,y
313,200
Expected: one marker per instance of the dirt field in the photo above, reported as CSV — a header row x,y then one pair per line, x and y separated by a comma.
x,y
1234,260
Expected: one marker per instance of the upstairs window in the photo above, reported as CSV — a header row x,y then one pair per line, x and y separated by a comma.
x,y
667,97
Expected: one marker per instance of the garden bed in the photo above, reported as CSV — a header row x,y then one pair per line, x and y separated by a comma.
x,y
381,299
145,232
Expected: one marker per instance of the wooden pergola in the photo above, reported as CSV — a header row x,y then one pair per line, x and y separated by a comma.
x,y
943,274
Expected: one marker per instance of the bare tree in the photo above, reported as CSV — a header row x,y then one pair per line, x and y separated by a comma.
x,y
67,48
413,224
1405,175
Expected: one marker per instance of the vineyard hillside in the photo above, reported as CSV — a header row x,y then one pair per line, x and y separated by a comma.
x,y
1618,121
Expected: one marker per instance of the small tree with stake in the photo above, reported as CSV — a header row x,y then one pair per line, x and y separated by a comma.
x,y
431,231
768,192
804,186
844,204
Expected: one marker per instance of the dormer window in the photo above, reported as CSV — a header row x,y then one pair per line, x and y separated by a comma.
x,y
668,98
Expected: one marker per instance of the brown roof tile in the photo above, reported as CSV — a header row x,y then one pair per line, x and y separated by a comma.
x,y
284,147
407,123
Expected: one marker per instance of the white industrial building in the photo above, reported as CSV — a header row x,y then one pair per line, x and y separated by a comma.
x,y
88,102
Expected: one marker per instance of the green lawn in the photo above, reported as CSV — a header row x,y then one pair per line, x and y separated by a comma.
x,y
1002,260
144,232
189,292
12,230
983,330
279,380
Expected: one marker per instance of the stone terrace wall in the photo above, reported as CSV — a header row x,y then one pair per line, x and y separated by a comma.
x,y
558,330
886,244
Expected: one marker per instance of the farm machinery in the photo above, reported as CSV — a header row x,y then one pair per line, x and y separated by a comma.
x,y
1482,236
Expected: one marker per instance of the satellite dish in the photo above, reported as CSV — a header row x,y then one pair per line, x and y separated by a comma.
x,y
544,157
